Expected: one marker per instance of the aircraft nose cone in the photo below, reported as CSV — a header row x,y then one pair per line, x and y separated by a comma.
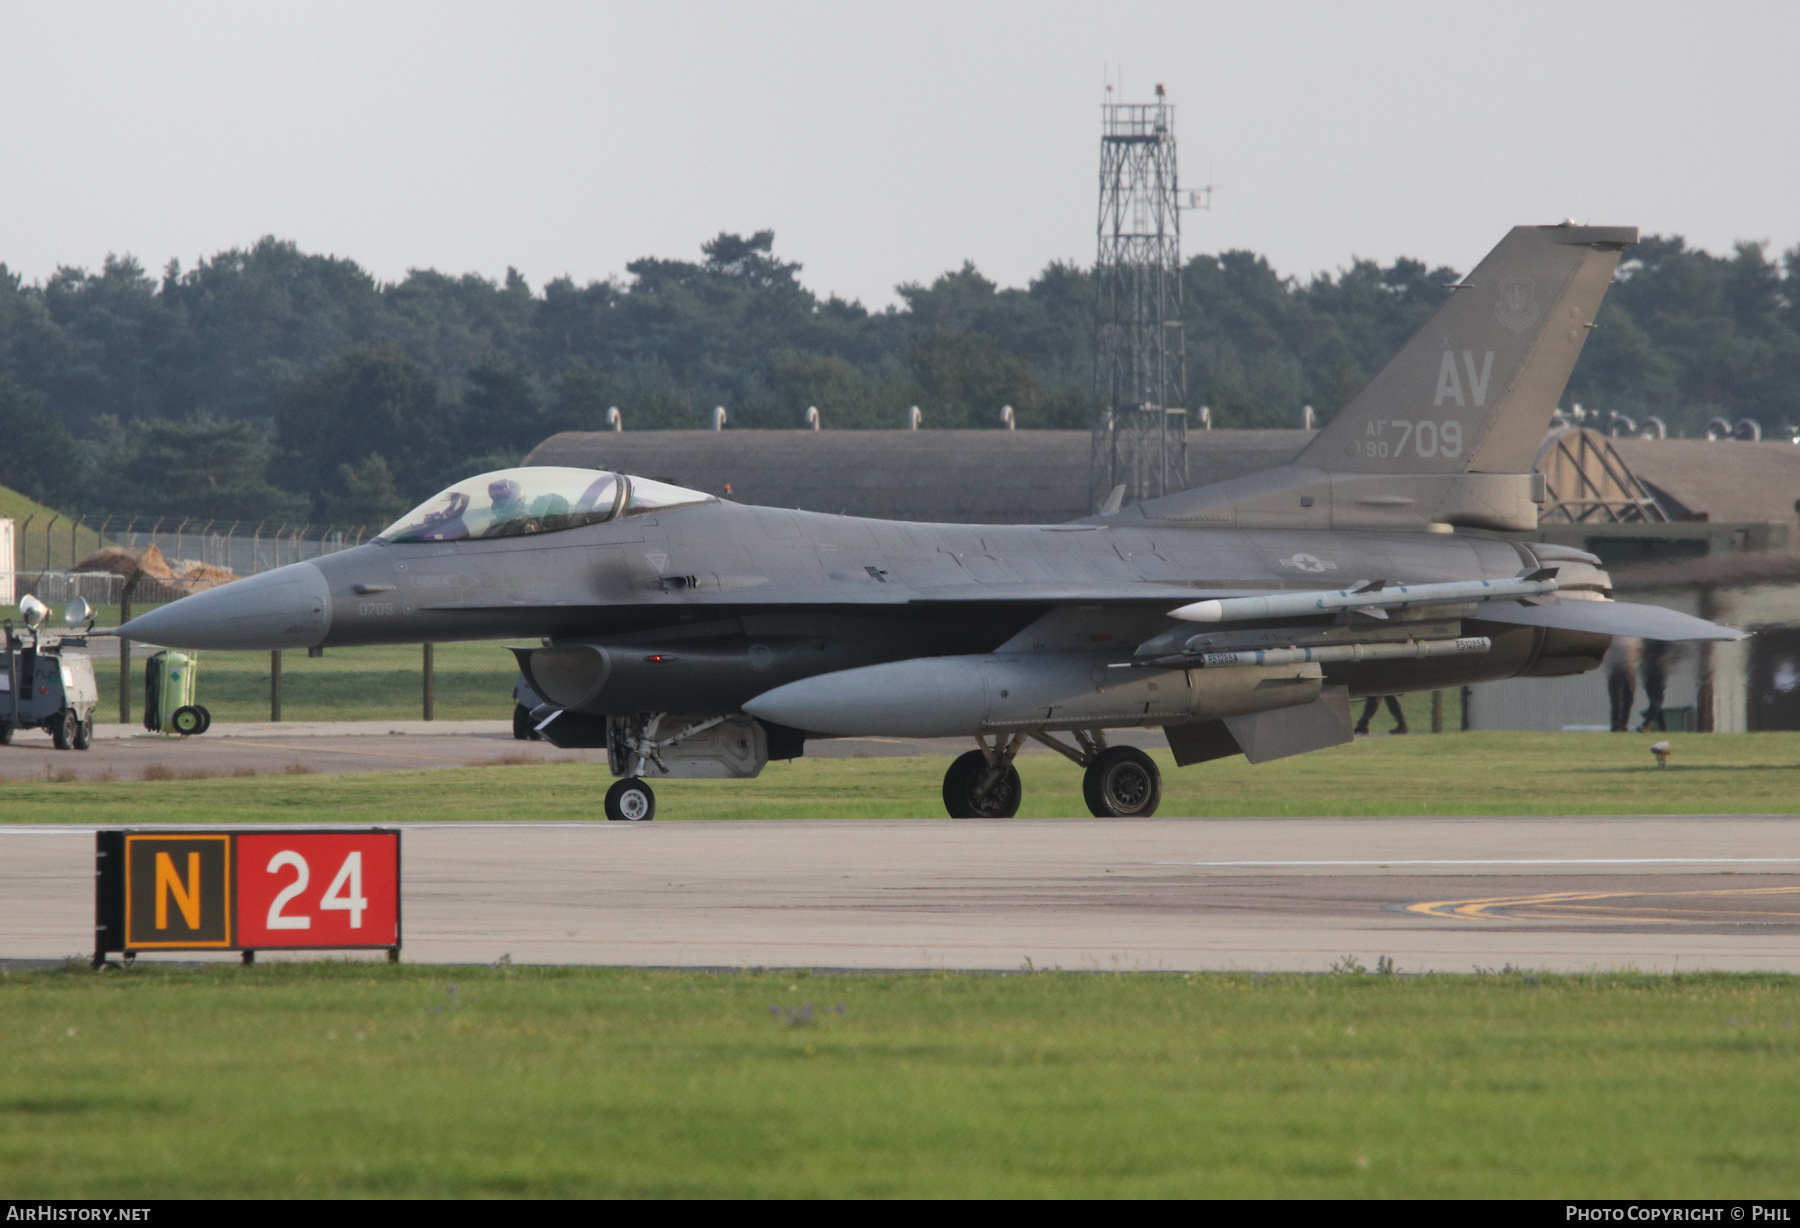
x,y
289,607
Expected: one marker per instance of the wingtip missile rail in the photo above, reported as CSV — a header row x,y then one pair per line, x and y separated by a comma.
x,y
1366,600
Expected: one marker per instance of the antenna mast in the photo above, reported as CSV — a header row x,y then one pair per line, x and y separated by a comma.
x,y
1140,357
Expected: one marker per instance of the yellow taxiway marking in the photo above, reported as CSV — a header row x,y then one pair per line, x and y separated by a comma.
x,y
1558,904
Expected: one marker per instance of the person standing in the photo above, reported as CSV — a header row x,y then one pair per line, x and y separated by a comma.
x,y
1621,662
1372,705
1658,658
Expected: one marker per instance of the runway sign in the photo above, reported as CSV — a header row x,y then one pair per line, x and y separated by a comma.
x,y
246,891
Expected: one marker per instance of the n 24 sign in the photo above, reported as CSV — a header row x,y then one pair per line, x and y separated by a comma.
x,y
318,889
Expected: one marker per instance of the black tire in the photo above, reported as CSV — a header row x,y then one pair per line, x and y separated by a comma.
x,y
523,726
63,727
205,718
84,734
630,801
187,721
962,785
1123,783
6,732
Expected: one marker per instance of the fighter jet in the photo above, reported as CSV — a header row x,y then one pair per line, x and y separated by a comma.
x,y
693,636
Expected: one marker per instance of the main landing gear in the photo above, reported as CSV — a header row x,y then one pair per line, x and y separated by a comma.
x,y
1120,782
984,784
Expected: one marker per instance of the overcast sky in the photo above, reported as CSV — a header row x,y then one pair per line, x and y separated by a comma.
x,y
882,143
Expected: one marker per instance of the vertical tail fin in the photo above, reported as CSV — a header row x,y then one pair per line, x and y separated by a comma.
x,y
1473,391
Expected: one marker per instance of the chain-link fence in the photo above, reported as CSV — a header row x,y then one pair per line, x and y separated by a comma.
x,y
59,543
471,681
97,588
463,681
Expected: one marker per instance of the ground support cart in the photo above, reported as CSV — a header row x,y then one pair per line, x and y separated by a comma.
x,y
46,684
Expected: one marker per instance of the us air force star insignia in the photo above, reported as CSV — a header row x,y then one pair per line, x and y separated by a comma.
x,y
1518,306
1306,562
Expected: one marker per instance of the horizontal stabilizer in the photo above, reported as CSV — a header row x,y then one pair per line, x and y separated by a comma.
x,y
1645,622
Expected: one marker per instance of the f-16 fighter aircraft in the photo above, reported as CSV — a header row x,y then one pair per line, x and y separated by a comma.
x,y
694,636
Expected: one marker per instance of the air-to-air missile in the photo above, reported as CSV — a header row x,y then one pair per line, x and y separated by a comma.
x,y
689,635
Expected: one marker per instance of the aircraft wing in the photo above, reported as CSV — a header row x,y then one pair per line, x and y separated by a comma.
x,y
1645,622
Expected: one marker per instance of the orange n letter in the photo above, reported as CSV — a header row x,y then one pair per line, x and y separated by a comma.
x,y
186,899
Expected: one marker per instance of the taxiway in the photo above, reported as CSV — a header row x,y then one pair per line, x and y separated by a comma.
x,y
1430,894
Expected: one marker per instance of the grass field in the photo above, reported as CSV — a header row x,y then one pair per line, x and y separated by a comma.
x,y
472,681
365,1080
1475,773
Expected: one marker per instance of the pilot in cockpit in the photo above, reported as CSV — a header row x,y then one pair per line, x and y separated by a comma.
x,y
508,499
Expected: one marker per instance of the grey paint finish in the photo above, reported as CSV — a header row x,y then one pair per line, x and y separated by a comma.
x,y
834,624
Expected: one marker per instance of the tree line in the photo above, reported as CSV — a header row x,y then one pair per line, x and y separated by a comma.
x,y
272,384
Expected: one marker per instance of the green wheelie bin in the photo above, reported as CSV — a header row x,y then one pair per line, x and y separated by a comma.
x,y
169,705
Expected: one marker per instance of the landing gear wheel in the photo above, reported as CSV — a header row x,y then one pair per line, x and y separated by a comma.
x,y
6,732
963,794
524,728
84,734
630,800
1123,783
189,721
62,732
205,717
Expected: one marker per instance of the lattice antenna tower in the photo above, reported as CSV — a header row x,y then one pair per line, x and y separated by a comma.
x,y
1140,366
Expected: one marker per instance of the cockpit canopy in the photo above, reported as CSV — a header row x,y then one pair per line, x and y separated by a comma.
x,y
516,502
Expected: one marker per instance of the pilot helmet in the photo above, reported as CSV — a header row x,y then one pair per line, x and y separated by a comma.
x,y
505,490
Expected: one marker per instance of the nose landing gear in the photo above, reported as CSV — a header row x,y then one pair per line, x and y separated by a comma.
x,y
631,801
